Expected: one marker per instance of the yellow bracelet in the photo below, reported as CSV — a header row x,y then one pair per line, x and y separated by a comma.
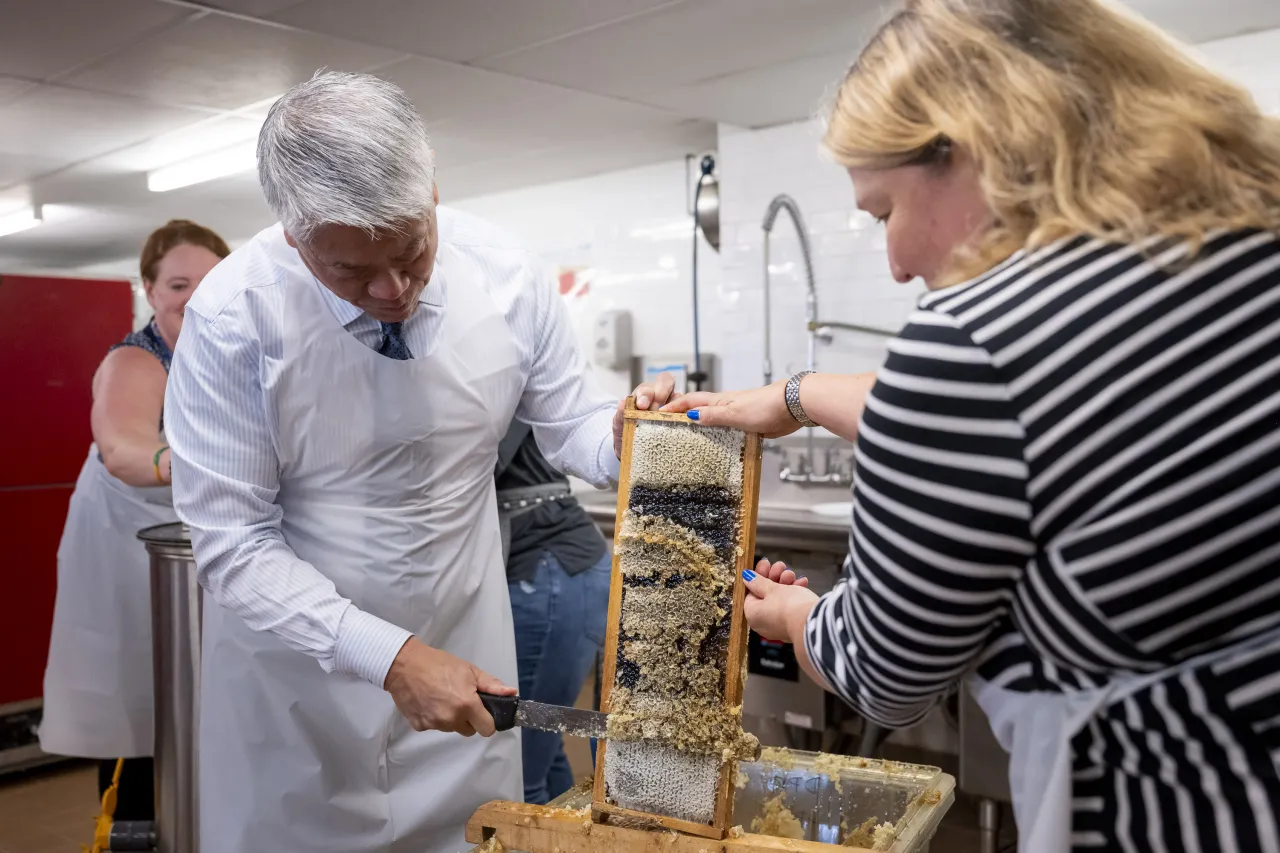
x,y
155,463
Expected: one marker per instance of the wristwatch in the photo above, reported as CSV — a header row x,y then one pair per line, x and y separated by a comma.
x,y
792,396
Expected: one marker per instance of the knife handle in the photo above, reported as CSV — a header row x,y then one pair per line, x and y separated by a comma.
x,y
502,709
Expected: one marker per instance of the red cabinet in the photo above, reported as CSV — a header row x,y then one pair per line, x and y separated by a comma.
x,y
53,334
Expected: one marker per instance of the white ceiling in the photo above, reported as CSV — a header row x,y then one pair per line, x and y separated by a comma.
x,y
93,93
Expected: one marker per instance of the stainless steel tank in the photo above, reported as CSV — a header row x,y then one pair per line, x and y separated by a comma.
x,y
176,600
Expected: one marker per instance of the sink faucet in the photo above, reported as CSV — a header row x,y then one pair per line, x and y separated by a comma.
x,y
779,204
804,471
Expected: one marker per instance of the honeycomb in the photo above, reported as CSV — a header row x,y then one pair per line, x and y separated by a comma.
x,y
677,547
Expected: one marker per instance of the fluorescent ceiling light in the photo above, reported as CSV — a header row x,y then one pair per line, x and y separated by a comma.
x,y
206,167
19,220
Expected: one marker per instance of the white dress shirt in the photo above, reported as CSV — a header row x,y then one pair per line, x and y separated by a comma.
x,y
225,469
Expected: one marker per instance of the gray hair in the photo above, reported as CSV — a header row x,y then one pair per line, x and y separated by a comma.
x,y
345,149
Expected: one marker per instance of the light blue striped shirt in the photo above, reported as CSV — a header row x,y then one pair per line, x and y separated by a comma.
x,y
225,469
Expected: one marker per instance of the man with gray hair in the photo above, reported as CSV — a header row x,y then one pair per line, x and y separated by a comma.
x,y
334,411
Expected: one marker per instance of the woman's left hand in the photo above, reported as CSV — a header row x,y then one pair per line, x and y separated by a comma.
x,y
763,410
778,609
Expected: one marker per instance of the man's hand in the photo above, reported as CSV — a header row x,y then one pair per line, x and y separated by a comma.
x,y
436,691
649,395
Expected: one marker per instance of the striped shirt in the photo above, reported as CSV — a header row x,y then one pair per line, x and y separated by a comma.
x,y
224,424
1068,472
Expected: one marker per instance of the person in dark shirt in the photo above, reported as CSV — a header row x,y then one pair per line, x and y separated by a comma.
x,y
558,570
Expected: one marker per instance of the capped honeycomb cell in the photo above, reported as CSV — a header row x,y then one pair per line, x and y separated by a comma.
x,y
667,455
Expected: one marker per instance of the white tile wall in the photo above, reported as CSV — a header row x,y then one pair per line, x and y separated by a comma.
x,y
630,233
851,275
1252,60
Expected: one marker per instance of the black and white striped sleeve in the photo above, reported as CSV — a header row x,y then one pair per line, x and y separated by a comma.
x,y
940,530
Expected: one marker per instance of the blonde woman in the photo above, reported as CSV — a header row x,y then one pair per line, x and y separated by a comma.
x,y
1068,484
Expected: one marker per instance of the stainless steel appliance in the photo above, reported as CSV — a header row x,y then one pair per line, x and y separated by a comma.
x,y
176,601
984,769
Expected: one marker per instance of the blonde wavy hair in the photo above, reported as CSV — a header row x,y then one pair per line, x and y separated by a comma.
x,y
1081,117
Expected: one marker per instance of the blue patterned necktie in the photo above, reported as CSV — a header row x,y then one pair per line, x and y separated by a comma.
x,y
393,342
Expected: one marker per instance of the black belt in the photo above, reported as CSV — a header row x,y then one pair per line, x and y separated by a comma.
x,y
525,498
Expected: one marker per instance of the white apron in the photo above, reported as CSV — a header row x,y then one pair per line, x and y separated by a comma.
x,y
387,489
98,692
1036,729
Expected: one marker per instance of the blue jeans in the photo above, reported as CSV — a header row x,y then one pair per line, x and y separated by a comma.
x,y
560,625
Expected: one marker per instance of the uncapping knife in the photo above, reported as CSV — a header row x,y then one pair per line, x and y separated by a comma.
x,y
511,711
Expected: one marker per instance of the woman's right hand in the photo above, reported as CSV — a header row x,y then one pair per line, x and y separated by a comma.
x,y
779,573
762,410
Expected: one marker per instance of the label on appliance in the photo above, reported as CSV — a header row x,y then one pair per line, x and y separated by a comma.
x,y
776,660
803,721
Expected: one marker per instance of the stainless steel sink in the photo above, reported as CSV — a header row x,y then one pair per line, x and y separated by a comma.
x,y
836,509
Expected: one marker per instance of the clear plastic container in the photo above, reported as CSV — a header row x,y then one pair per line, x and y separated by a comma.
x,y
833,796
913,799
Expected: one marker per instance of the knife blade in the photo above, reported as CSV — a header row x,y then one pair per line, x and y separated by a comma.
x,y
511,711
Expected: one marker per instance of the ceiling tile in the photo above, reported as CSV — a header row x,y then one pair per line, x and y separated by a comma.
x,y
698,42
577,160
11,88
444,91
222,62
21,168
560,117
453,151
462,32
71,125
253,8
475,103
762,97
42,39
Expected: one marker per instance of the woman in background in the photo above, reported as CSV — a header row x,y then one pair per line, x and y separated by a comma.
x,y
98,694
1068,468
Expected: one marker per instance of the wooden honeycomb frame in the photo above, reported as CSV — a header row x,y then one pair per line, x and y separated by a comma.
x,y
735,670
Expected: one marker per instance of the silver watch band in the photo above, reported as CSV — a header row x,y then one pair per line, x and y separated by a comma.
x,y
792,396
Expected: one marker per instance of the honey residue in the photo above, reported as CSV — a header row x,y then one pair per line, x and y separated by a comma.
x,y
776,819
871,835
570,814
930,798
830,766
779,757
654,547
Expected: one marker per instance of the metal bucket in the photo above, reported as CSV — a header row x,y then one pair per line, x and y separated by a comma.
x,y
176,600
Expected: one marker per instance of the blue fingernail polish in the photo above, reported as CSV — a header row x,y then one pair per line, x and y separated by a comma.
x,y
693,416
748,575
